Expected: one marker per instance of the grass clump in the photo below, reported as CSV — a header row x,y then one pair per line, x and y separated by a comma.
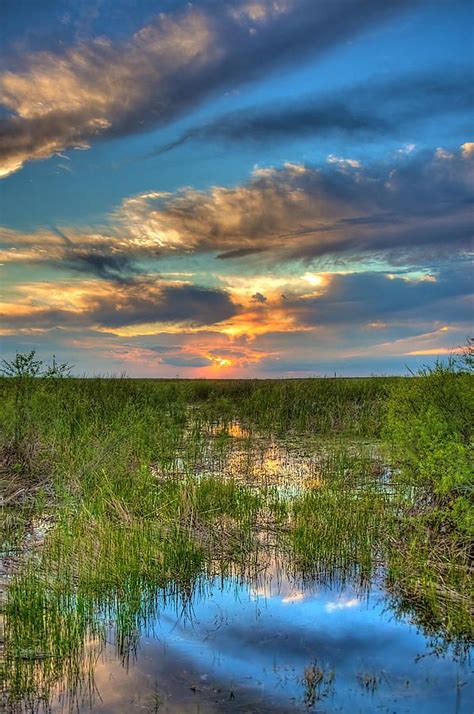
x,y
318,683
430,428
368,681
340,526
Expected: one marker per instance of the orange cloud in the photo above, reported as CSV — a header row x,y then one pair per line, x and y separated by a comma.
x,y
136,309
260,322
69,98
436,351
117,309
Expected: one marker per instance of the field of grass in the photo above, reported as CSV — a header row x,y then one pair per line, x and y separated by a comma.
x,y
117,498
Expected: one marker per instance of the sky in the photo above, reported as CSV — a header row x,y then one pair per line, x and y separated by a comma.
x,y
236,188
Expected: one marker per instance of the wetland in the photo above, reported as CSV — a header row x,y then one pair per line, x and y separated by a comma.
x,y
247,546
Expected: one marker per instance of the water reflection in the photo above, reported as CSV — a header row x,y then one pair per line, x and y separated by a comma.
x,y
293,463
265,638
244,647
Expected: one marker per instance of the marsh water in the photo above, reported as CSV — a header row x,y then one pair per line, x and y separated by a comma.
x,y
267,638
248,647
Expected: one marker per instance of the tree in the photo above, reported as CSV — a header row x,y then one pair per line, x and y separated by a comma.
x,y
467,356
27,366
24,369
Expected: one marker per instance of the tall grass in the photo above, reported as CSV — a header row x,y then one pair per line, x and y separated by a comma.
x,y
430,430
126,476
339,529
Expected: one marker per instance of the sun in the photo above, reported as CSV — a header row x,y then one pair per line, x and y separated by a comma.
x,y
313,279
220,362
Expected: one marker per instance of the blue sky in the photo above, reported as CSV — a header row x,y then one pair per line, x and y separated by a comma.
x,y
242,188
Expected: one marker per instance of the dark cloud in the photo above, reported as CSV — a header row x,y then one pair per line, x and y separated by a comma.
x,y
362,298
102,263
117,268
103,88
162,348
132,305
415,207
362,111
186,361
186,303
43,319
239,253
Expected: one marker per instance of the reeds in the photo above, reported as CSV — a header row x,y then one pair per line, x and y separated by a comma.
x,y
147,493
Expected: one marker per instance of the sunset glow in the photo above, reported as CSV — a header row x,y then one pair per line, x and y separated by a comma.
x,y
236,189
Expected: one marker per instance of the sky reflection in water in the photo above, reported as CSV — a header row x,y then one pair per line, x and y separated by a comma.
x,y
244,647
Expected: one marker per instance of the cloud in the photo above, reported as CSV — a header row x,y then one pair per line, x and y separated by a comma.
x,y
359,323
415,208
187,361
110,267
182,304
101,88
377,298
352,314
381,109
342,603
137,303
239,253
416,205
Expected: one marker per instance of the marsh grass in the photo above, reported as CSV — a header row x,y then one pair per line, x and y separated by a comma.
x,y
431,580
340,532
318,682
151,487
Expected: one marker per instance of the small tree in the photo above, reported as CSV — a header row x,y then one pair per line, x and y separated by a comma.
x,y
27,366
466,361
429,423
24,365
24,369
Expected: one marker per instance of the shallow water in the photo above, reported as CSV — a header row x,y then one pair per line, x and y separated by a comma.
x,y
244,647
273,643
295,462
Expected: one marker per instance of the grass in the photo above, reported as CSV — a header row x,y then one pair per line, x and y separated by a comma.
x,y
129,479
368,681
430,578
318,683
339,531
429,427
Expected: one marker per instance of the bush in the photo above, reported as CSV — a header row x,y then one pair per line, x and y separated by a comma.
x,y
429,423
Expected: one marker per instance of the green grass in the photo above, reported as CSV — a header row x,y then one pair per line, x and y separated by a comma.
x,y
127,475
429,428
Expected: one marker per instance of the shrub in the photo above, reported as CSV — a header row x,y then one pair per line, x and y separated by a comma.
x,y
429,423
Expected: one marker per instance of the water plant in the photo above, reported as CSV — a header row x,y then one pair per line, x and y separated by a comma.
x,y
120,495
